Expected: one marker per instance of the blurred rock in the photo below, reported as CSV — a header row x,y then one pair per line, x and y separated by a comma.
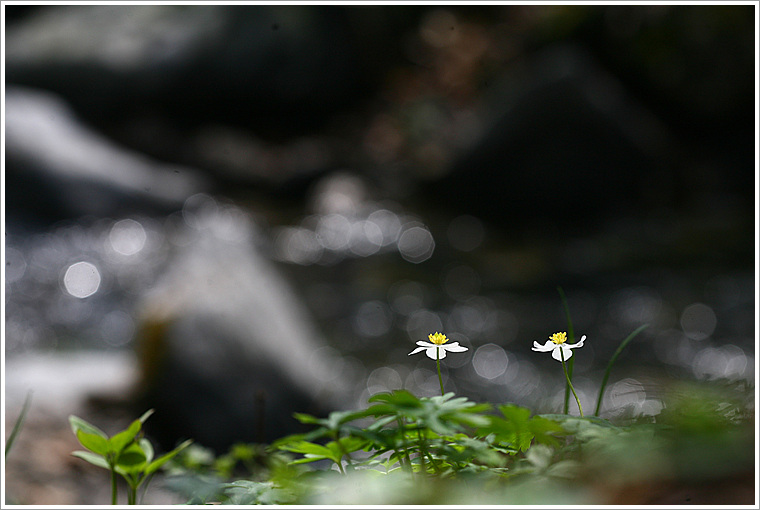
x,y
260,95
227,350
247,64
561,139
59,168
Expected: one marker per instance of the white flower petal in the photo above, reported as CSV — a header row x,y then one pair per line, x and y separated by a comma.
x,y
548,346
578,344
557,353
418,349
427,345
432,353
454,347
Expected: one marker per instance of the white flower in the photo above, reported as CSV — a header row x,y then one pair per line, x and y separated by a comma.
x,y
436,349
558,346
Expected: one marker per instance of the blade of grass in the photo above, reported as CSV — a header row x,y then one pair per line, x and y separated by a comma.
x,y
571,339
612,362
19,422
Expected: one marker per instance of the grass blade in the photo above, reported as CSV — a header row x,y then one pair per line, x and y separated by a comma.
x,y
19,423
612,362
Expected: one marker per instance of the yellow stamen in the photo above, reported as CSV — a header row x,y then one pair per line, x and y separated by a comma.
x,y
559,338
438,338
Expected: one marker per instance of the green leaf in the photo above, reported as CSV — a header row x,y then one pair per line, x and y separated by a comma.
x,y
145,416
132,458
94,442
345,445
121,440
78,423
519,430
245,492
92,458
545,431
400,398
147,448
306,447
163,459
307,418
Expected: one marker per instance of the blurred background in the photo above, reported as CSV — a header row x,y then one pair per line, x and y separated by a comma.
x,y
230,213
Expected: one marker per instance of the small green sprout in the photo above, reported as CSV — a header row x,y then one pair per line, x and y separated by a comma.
x,y
126,453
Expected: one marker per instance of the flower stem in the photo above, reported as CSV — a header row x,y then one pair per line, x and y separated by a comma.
x,y
571,384
438,365
571,339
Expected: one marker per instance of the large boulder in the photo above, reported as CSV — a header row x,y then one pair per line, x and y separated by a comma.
x,y
246,64
561,139
227,350
58,167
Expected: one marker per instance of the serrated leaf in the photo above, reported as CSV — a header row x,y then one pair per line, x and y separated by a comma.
x,y
515,414
545,431
94,442
398,398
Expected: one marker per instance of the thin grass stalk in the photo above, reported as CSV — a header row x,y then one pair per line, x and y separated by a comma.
x,y
19,423
612,362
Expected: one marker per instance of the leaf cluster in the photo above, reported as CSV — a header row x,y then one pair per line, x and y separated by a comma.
x,y
126,453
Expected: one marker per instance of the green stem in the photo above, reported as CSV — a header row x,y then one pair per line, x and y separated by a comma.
x,y
113,485
580,409
570,339
146,481
423,452
343,451
438,365
408,464
612,362
426,453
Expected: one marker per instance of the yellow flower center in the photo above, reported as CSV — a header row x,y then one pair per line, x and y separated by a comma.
x,y
559,338
438,338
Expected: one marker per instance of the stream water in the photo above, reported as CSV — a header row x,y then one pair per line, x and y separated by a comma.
x,y
376,277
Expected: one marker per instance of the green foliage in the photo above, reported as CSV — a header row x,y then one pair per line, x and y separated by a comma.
x,y
125,453
402,449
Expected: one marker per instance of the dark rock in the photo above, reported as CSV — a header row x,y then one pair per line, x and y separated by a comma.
x,y
227,350
250,65
561,140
